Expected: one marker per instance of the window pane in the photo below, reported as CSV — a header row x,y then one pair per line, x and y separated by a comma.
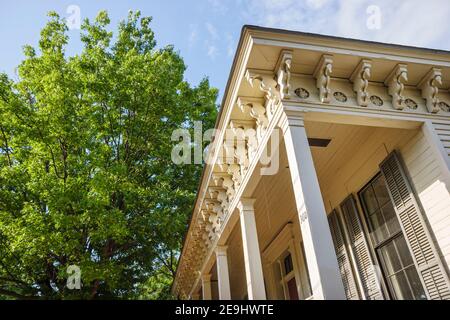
x,y
400,286
391,219
416,285
288,264
369,200
403,250
292,289
390,258
379,231
381,190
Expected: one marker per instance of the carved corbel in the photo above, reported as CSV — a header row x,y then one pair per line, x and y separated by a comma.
x,y
228,184
218,177
215,216
228,150
396,84
322,74
272,100
429,86
243,133
360,79
257,112
235,171
213,192
283,76
206,239
218,210
211,231
223,199
216,223
224,180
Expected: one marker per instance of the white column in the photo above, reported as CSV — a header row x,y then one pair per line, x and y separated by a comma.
x,y
321,258
222,273
252,257
206,287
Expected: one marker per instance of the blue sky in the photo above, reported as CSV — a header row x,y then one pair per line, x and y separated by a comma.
x,y
206,32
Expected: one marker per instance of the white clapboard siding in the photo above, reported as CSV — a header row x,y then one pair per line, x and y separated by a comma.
x,y
443,131
427,177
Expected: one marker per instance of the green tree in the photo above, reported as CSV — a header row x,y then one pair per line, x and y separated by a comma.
x,y
86,176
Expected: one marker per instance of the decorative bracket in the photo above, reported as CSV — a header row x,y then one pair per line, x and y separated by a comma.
x,y
429,86
245,147
271,99
360,79
323,77
223,179
396,83
283,76
256,110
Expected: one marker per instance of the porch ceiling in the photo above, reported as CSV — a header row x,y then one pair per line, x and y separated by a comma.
x,y
352,157
275,206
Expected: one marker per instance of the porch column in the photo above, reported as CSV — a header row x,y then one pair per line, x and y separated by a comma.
x,y
206,287
321,258
222,273
252,257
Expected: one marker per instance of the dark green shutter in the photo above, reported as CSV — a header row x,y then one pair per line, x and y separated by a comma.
x,y
343,258
426,258
358,243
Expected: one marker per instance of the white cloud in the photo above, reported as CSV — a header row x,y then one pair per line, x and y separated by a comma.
x,y
212,31
193,35
316,4
290,14
218,6
411,22
211,48
212,51
230,45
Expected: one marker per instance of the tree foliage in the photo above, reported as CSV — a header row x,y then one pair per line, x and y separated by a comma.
x,y
86,176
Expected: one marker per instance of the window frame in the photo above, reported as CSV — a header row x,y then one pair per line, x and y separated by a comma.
x,y
377,246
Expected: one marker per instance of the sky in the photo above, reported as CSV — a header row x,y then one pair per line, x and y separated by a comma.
x,y
206,32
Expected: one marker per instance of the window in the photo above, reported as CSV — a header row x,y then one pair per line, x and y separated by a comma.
x,y
389,242
287,277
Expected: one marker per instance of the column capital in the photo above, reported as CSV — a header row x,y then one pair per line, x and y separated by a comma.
x,y
221,250
291,118
246,204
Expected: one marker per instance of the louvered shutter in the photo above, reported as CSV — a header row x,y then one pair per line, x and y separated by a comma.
x,y
426,258
343,259
358,243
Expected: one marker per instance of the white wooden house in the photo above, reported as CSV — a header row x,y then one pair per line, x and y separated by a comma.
x,y
358,206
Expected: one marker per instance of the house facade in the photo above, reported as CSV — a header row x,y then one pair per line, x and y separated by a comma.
x,y
329,176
